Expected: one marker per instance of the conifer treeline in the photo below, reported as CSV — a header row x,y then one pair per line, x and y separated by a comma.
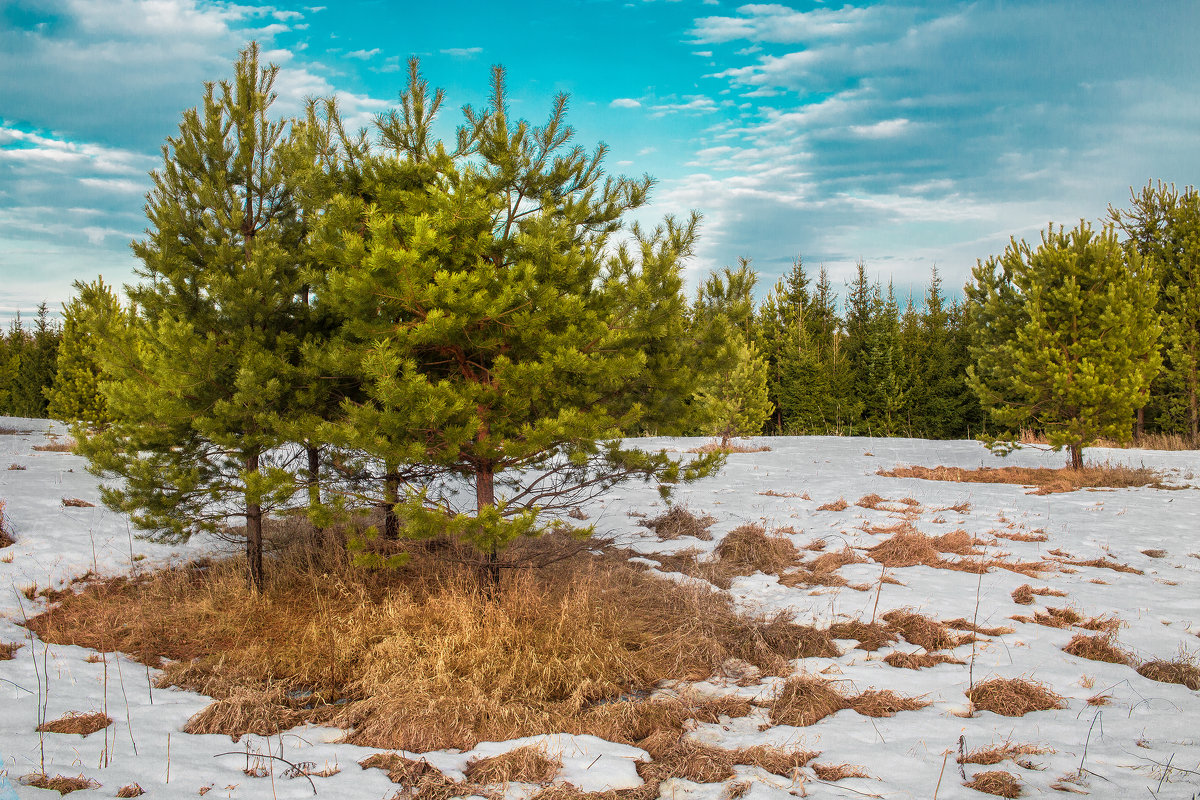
x,y
28,364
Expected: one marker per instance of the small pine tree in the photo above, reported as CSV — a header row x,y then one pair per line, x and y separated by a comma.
x,y
1081,344
736,403
75,395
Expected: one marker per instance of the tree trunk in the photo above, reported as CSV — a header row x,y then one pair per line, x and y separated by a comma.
x,y
1076,456
1140,428
485,497
391,496
1193,408
254,535
314,475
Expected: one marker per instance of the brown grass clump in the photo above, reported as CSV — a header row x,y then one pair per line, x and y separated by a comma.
x,y
907,548
923,631
729,447
837,772
918,660
77,722
60,783
64,446
960,624
776,760
17,467
885,703
1013,697
676,756
1104,563
528,764
958,542
822,570
1046,481
1182,670
75,502
131,790
420,779
749,549
6,431
1063,617
1097,648
1155,553
871,501
804,700
870,636
996,753
997,782
1022,536
837,505
678,521
423,657
1024,593
8,648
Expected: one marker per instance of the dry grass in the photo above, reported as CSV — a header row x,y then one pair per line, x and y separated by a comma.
x,y
1155,553
923,631
773,493
17,467
918,660
909,547
420,779
528,764
77,722
960,624
870,636
729,447
1023,536
60,783
8,648
1013,697
804,700
749,548
131,790
6,431
885,703
994,754
423,658
1025,593
1097,648
679,521
75,502
837,772
837,505
1105,563
1044,479
1181,670
64,446
776,760
822,570
997,782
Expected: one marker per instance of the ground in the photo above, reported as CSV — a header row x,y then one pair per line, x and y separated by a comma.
x,y
1136,577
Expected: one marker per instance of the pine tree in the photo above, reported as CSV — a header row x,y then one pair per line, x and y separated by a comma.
x,y
1163,226
885,387
736,403
201,383
87,319
482,320
1082,334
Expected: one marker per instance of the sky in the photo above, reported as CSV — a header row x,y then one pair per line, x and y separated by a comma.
x,y
905,135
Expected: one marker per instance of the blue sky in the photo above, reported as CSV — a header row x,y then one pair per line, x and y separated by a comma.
x,y
902,134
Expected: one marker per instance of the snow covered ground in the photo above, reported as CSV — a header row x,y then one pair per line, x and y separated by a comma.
x,y
1121,747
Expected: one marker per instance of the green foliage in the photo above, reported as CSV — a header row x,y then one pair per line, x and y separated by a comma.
x,y
736,402
1065,336
27,361
88,318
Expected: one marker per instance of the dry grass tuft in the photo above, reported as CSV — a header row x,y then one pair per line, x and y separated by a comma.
x,y
8,648
776,760
60,783
870,636
918,660
872,501
885,703
75,502
420,779
822,570
923,631
17,467
64,446
804,700
960,624
1155,553
424,658
997,782
6,431
1025,593
729,447
1046,481
749,548
131,790
837,772
1104,563
996,753
1013,697
528,764
906,548
677,522
837,505
1182,670
77,722
1023,536
958,542
676,756
1097,648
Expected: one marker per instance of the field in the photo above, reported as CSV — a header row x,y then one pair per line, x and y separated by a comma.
x,y
991,638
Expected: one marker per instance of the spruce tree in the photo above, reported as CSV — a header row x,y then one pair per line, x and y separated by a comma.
x,y
1080,344
736,403
87,318
201,383
483,320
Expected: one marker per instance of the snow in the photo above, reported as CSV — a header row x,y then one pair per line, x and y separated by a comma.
x,y
1121,746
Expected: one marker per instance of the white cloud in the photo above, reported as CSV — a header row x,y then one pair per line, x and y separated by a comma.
x,y
884,129
461,52
690,104
625,102
777,23
364,55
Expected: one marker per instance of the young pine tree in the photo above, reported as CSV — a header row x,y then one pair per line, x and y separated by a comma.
x,y
87,319
201,383
1071,335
